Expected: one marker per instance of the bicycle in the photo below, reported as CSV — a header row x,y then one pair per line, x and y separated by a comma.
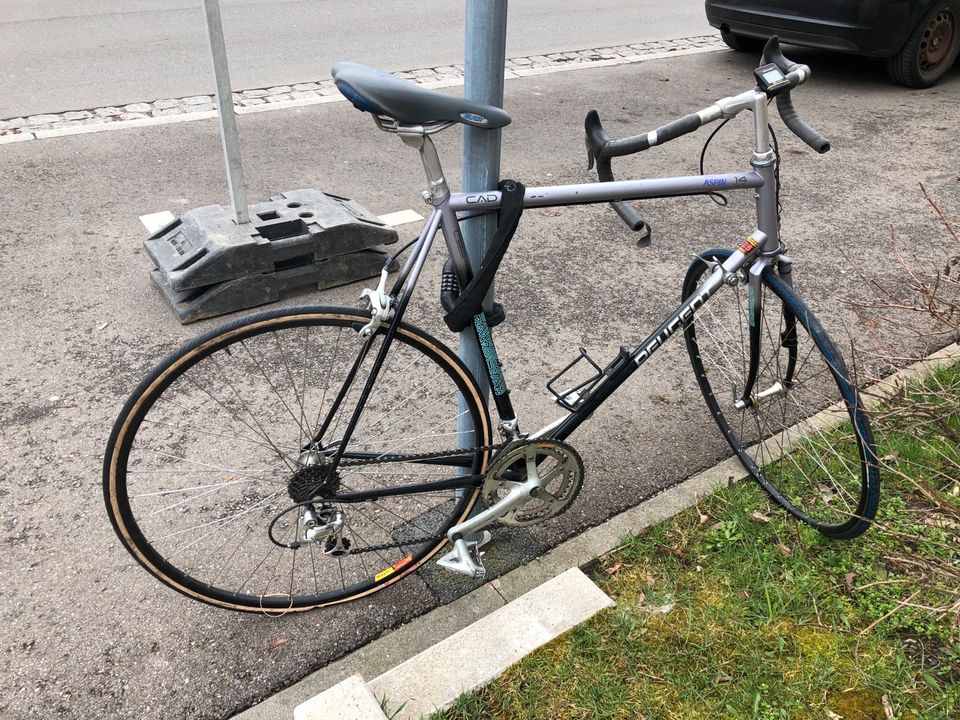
x,y
308,456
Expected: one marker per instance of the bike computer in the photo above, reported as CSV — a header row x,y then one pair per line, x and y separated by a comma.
x,y
771,79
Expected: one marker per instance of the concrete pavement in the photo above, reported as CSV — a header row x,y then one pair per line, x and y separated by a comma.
x,y
87,633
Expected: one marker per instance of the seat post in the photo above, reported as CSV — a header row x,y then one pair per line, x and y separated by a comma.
x,y
436,183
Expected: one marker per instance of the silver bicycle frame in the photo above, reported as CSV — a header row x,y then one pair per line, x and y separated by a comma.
x,y
761,178
762,247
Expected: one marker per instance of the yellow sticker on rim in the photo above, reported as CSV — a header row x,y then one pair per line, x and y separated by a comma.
x,y
381,575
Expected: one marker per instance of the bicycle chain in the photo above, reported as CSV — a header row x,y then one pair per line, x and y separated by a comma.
x,y
412,458
389,546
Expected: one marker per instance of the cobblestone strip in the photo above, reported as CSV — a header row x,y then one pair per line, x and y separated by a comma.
x,y
257,99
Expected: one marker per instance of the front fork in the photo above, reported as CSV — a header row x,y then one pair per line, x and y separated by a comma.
x,y
787,332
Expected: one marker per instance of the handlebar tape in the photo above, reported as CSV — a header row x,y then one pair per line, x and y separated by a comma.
x,y
597,144
773,54
799,128
625,210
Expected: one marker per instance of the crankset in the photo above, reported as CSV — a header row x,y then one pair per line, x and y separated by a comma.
x,y
557,468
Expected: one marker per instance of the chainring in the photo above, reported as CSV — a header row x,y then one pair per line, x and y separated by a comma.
x,y
558,464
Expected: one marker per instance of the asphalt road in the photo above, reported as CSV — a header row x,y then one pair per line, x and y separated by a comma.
x,y
58,55
86,633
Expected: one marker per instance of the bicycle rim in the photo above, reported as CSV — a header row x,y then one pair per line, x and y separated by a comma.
x,y
803,433
210,448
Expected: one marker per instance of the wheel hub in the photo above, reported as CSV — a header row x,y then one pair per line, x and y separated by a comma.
x,y
937,40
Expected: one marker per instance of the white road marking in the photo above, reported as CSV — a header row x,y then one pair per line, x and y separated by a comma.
x,y
155,222
401,217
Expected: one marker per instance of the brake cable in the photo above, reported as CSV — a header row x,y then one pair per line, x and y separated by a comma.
x,y
721,199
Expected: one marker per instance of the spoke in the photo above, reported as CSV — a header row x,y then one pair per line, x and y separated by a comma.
x,y
260,564
233,552
215,468
233,436
326,383
273,387
379,504
355,532
428,434
218,522
402,403
313,565
246,407
302,422
257,430
211,490
381,385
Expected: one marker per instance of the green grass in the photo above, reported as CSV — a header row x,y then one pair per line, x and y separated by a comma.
x,y
733,610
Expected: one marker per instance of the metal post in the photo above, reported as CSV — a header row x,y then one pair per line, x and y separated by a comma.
x,y
484,57
228,121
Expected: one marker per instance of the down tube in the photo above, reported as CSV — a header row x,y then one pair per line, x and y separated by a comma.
x,y
648,347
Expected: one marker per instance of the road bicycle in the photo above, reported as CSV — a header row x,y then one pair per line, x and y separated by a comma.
x,y
308,456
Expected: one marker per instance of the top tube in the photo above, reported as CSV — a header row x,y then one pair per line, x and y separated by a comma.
x,y
588,193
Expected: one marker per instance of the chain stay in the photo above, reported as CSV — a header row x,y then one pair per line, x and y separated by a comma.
x,y
355,462
386,458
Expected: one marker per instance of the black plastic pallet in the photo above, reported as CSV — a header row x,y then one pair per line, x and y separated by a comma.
x,y
207,265
262,288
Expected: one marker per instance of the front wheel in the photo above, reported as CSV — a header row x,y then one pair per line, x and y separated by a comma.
x,y
796,422
239,425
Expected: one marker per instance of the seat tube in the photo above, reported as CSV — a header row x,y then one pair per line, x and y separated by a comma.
x,y
453,238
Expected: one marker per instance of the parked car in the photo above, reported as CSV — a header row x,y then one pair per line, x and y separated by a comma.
x,y
920,39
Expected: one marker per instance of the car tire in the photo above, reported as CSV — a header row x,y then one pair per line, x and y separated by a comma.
x,y
931,49
741,43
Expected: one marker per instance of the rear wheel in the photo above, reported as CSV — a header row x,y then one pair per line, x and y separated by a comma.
x,y
801,432
221,438
931,49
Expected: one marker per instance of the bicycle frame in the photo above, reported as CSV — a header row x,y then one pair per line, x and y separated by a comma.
x,y
763,246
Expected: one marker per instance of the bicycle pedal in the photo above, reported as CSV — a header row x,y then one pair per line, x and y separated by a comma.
x,y
466,558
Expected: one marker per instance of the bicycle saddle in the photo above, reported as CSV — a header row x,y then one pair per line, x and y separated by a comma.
x,y
378,92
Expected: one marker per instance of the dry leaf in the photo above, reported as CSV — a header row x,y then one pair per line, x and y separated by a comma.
x,y
785,550
848,580
277,643
615,568
759,517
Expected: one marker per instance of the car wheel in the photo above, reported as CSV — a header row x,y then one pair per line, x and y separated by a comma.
x,y
930,50
741,43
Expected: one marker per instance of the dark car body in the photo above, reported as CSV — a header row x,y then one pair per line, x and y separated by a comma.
x,y
875,28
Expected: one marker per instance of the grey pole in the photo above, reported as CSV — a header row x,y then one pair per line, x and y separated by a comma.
x,y
485,53
228,121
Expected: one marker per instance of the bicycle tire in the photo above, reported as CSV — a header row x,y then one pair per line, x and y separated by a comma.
x,y
804,435
202,458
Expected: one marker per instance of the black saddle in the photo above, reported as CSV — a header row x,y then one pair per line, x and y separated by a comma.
x,y
378,92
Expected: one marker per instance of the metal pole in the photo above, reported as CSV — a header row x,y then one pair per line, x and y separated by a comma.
x,y
228,121
485,53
